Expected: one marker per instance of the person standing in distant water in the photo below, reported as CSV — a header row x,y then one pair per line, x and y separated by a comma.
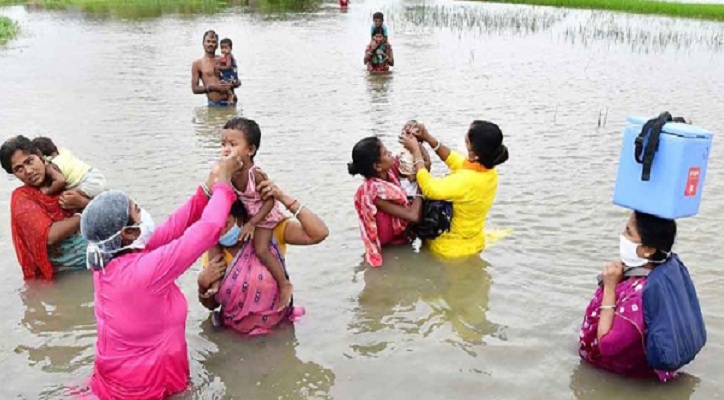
x,y
379,56
205,70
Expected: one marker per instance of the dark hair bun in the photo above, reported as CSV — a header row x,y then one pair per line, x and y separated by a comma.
x,y
352,169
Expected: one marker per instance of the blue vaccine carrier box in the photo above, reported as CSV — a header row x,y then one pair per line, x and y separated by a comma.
x,y
677,173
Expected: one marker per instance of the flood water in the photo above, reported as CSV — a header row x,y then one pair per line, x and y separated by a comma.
x,y
503,326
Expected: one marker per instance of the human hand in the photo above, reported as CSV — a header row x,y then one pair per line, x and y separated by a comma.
x,y
268,189
72,200
212,273
228,166
612,274
247,232
411,144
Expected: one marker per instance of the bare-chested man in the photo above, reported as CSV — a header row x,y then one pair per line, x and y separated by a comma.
x,y
206,70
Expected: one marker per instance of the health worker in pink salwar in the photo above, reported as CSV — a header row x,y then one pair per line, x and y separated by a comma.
x,y
139,309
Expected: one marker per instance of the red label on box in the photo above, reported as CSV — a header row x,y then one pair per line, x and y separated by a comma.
x,y
692,183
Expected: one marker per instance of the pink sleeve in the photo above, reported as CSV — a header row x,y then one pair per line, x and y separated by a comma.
x,y
164,264
624,334
179,221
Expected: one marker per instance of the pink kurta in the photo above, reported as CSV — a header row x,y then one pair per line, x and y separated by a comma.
x,y
141,312
622,349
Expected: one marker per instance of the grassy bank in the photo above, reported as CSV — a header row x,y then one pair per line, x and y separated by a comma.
x,y
139,9
8,29
713,12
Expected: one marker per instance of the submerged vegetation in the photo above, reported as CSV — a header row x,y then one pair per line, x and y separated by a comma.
x,y
139,9
8,29
685,10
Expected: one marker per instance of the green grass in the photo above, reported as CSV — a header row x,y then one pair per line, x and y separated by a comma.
x,y
8,29
139,9
713,12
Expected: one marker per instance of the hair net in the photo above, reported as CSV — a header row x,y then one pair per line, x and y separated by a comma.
x,y
101,224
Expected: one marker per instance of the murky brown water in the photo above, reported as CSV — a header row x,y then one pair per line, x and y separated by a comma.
x,y
116,91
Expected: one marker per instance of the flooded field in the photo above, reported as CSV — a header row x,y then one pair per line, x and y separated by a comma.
x,y
113,85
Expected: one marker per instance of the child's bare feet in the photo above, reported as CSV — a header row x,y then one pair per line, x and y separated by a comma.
x,y
285,294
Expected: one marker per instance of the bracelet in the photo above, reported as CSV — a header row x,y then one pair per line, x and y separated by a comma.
x,y
206,190
420,161
439,143
298,210
292,205
607,307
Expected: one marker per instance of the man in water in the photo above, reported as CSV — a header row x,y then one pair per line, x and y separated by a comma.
x,y
206,70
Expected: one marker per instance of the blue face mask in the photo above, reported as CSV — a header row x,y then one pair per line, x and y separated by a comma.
x,y
231,237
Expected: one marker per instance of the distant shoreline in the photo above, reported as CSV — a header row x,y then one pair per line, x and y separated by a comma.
x,y
712,12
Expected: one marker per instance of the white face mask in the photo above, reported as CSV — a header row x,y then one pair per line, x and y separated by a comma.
x,y
147,226
629,256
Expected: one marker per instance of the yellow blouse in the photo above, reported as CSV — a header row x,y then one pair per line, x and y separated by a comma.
x,y
472,193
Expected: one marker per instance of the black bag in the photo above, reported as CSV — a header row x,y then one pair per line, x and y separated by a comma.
x,y
435,220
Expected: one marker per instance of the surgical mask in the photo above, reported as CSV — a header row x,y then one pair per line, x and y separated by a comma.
x,y
629,257
147,226
96,252
231,237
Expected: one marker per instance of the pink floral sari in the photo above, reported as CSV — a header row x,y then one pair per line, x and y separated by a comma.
x,y
248,294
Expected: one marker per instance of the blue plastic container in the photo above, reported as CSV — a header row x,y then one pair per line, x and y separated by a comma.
x,y
677,172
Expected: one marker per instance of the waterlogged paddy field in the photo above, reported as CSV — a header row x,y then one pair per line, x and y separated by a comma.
x,y
114,87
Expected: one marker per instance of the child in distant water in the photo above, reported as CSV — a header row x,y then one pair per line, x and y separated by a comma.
x,y
378,21
265,215
68,172
228,67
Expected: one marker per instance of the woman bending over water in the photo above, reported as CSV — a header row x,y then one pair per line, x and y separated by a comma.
x,y
470,187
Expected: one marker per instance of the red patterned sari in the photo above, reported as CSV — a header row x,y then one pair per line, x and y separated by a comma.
x,y
31,215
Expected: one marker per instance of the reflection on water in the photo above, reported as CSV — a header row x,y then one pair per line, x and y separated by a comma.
x,y
64,325
588,383
265,367
418,296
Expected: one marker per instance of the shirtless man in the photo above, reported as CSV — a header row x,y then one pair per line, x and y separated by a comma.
x,y
205,70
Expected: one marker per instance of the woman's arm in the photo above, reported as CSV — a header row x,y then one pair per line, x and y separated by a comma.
x,y
210,273
308,229
162,265
368,55
426,158
62,230
612,276
449,188
411,213
179,221
442,151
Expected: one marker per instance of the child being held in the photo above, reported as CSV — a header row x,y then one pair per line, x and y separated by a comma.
x,y
408,177
68,172
245,136
228,68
